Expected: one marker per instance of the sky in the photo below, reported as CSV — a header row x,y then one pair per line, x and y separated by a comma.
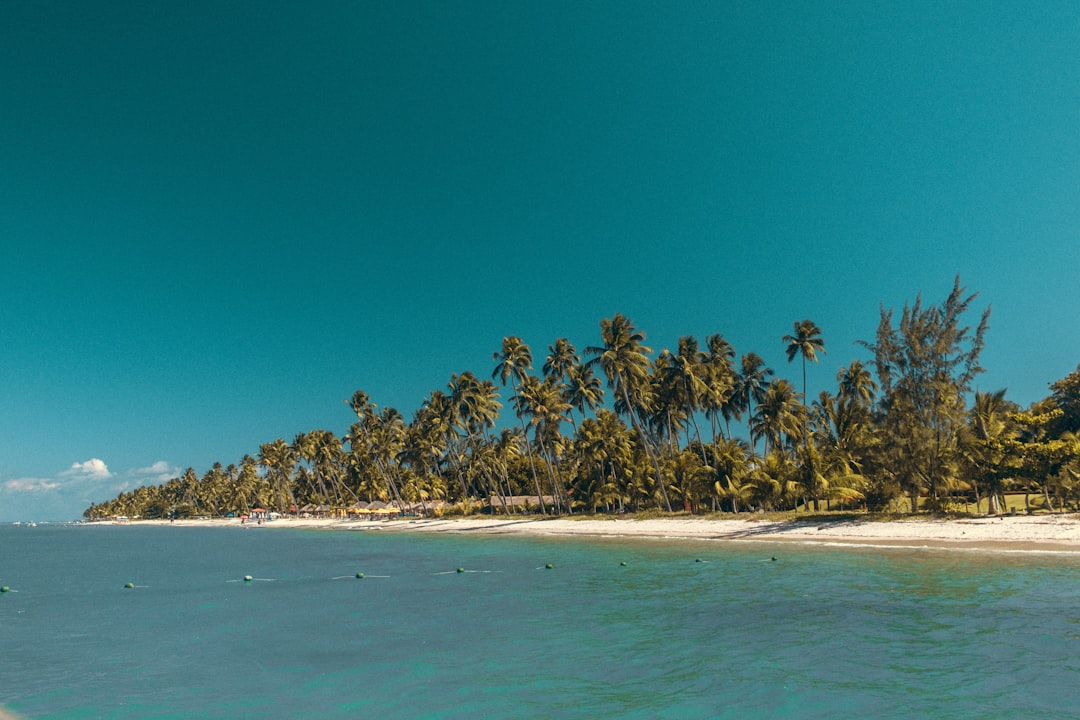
x,y
220,219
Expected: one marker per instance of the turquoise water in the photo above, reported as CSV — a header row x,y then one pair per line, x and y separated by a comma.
x,y
682,630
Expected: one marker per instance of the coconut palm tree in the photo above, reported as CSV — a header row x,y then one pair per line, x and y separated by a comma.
x,y
583,390
983,442
806,342
720,397
543,404
375,440
561,357
778,417
686,376
730,460
750,385
279,459
623,357
856,384
513,363
476,408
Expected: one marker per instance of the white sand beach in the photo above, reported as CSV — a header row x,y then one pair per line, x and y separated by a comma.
x,y
1047,533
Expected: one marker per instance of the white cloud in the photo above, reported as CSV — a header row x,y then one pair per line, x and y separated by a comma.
x,y
159,472
66,494
92,469
30,485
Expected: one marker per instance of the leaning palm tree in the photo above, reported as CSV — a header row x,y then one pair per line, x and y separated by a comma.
x,y
513,363
543,404
806,342
279,459
624,359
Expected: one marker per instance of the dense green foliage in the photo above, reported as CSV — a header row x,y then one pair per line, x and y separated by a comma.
x,y
914,428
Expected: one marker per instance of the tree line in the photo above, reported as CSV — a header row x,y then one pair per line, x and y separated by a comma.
x,y
619,428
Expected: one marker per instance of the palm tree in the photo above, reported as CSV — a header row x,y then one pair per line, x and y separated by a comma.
x,y
513,364
842,433
689,376
602,449
720,397
476,408
583,390
376,438
730,460
856,384
279,459
983,441
751,383
624,359
806,342
543,404
561,357
778,417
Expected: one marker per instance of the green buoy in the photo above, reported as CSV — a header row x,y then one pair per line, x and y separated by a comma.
x,y
359,576
5,589
461,570
622,564
248,578
129,586
549,566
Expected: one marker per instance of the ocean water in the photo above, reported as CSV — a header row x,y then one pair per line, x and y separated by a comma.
x,y
614,629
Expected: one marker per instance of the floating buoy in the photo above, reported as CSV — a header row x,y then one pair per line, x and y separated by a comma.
x,y
623,564
461,570
774,559
697,559
549,566
359,576
129,586
248,578
5,589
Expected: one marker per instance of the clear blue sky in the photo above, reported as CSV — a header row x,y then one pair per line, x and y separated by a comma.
x,y
218,220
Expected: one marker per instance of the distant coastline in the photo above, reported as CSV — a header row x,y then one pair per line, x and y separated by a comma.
x,y
1040,533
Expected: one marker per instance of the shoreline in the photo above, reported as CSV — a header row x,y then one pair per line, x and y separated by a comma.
x,y
1040,533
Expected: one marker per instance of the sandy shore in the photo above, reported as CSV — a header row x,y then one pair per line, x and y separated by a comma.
x,y
1058,533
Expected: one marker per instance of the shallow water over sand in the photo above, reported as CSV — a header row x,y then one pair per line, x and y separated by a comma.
x,y
615,628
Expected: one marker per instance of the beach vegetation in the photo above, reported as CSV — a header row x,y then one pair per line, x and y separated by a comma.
x,y
620,429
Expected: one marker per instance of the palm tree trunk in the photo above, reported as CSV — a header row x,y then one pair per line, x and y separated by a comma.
x,y
532,464
647,445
